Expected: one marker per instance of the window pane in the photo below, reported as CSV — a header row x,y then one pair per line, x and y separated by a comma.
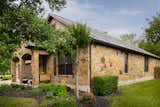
x,y
65,65
146,63
126,63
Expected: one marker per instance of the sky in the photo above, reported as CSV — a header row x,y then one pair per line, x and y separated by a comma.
x,y
116,17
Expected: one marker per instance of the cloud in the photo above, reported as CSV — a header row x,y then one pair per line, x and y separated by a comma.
x,y
89,13
78,12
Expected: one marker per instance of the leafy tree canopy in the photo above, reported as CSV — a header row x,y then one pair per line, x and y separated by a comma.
x,y
19,21
82,34
153,31
151,41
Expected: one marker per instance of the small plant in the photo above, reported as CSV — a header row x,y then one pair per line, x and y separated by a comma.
x,y
36,91
104,85
88,98
64,102
49,95
18,86
5,87
59,90
45,87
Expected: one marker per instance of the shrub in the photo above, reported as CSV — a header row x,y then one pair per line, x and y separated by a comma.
x,y
59,90
6,77
64,102
36,91
104,85
18,86
45,87
5,87
50,90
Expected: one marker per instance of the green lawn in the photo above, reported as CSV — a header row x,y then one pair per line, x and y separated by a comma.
x,y
17,102
144,94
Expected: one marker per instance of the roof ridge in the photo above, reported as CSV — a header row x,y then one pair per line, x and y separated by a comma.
x,y
65,20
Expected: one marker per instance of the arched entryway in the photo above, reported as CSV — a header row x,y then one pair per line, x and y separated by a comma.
x,y
15,69
26,72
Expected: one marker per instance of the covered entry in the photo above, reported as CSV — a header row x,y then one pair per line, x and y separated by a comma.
x,y
44,73
32,65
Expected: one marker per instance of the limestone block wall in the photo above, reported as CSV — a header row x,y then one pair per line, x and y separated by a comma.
x,y
58,25
106,61
84,67
64,79
110,61
50,66
83,74
35,67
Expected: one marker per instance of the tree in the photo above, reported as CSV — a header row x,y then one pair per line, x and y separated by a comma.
x,y
19,20
153,31
82,35
151,41
129,38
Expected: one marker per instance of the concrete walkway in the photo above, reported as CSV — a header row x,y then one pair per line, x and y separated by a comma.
x,y
5,82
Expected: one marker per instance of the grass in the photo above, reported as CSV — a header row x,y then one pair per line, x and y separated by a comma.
x,y
17,102
144,94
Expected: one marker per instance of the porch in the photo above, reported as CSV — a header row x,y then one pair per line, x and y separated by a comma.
x,y
32,67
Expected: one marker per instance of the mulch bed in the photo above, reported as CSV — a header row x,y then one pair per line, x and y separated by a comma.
x,y
13,92
100,102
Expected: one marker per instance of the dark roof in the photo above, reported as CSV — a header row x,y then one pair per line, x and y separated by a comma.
x,y
105,38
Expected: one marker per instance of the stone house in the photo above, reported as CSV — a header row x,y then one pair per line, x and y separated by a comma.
x,y
104,56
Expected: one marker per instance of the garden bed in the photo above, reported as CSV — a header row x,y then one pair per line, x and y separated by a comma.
x,y
44,93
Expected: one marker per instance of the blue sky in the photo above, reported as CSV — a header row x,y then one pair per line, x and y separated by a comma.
x,y
113,16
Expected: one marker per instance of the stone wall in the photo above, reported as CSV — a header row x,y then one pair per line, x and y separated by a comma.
x,y
83,74
110,61
35,67
13,71
84,67
58,25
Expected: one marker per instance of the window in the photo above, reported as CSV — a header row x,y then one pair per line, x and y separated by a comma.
x,y
126,62
146,64
65,65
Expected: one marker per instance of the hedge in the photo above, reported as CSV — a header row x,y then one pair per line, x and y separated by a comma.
x,y
104,85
